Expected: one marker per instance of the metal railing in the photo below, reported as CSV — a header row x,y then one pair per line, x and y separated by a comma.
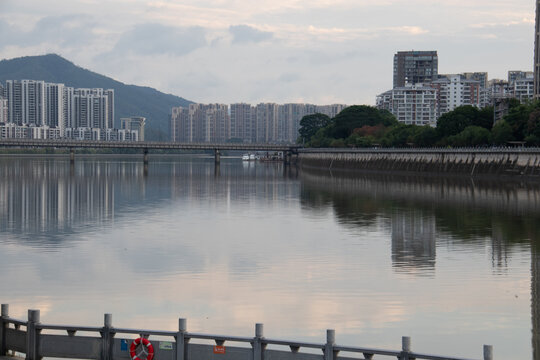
x,y
36,342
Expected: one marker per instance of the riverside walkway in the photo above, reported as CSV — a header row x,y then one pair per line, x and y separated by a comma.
x,y
37,340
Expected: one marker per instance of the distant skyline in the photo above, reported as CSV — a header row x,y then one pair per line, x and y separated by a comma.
x,y
229,51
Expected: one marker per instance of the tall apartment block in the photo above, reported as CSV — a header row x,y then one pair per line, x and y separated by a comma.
x,y
263,123
456,90
414,67
3,110
537,52
134,123
200,123
411,104
54,110
26,102
242,126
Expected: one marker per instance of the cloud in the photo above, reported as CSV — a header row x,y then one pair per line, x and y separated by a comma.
x,y
245,33
65,30
161,39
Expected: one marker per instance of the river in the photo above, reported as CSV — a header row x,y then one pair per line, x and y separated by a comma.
x,y
453,264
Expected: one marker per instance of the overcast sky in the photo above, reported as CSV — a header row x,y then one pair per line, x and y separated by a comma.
x,y
316,51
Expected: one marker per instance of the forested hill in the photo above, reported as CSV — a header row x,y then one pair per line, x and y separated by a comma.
x,y
130,100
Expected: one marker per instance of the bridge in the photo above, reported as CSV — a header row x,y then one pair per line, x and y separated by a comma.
x,y
145,146
38,340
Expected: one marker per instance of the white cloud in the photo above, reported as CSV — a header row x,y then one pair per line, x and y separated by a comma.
x,y
233,50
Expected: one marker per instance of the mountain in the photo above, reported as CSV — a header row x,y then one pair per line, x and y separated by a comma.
x,y
130,100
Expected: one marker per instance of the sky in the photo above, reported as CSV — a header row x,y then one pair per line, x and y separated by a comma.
x,y
227,51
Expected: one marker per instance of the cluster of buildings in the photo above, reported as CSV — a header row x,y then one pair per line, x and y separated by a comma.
x,y
262,123
35,109
420,95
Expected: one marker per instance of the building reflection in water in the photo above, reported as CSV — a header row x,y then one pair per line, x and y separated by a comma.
x,y
47,195
423,212
413,240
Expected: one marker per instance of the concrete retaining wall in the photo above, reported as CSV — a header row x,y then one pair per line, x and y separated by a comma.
x,y
471,162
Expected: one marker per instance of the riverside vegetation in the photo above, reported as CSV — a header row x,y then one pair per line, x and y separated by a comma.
x,y
367,126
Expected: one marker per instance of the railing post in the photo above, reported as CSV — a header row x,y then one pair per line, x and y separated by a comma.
x,y
405,348
330,342
3,329
107,338
181,341
488,352
257,343
32,335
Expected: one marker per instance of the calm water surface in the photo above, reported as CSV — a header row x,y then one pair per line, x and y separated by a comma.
x,y
452,264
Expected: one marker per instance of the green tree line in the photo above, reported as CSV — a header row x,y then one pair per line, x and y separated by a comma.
x,y
367,126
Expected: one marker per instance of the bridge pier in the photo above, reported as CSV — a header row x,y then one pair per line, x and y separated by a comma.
x,y
287,157
145,156
217,156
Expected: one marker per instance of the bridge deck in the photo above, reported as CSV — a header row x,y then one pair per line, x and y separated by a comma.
x,y
144,145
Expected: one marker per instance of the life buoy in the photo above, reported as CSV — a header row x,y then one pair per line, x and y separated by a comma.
x,y
146,344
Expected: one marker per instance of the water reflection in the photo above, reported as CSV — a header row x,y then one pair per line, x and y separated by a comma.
x,y
424,213
44,201
374,257
419,210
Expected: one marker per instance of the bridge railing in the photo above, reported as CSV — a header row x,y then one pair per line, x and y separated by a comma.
x,y
39,340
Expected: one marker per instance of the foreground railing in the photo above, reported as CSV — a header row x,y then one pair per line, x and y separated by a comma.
x,y
37,341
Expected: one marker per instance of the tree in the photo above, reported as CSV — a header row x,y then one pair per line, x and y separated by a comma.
x,y
310,124
455,121
357,116
501,133
471,136
425,136
517,118
399,136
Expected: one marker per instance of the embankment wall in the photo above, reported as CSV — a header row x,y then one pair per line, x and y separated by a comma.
x,y
459,162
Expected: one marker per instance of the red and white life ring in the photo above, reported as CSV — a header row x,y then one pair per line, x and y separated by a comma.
x,y
146,344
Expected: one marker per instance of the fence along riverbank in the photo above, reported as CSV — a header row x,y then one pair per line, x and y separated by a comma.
x,y
459,162
37,340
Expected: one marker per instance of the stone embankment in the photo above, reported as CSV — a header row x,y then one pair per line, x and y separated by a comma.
x,y
458,162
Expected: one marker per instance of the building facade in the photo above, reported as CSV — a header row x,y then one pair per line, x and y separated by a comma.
x,y
134,123
456,90
40,110
536,62
26,102
3,110
411,104
263,123
414,67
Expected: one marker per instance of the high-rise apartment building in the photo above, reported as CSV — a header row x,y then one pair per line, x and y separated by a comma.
x,y
54,100
242,124
181,127
536,62
456,90
200,123
134,123
481,77
521,85
266,122
414,67
3,110
26,102
411,104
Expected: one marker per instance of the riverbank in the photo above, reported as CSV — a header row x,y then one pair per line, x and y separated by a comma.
x,y
522,162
